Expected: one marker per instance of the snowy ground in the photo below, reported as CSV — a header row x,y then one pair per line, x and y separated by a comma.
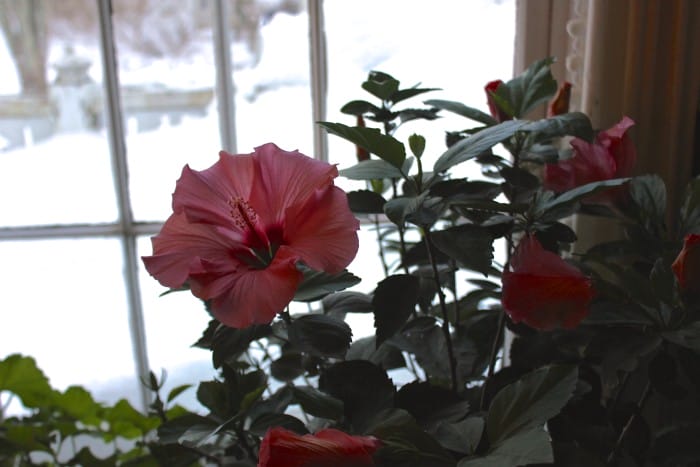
x,y
63,301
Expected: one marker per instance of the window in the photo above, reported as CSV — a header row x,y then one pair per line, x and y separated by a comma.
x,y
85,178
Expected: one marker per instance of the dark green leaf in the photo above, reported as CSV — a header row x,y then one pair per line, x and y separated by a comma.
x,y
649,195
366,202
533,87
264,422
573,124
463,436
677,445
172,431
320,335
212,395
690,211
405,444
461,109
176,391
527,447
384,355
403,94
394,300
381,85
359,108
383,146
370,170
688,336
318,284
529,402
317,403
470,245
228,343
462,190
347,302
364,388
554,208
397,208
476,144
288,367
431,405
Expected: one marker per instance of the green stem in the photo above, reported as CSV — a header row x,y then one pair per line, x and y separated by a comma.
x,y
628,425
443,309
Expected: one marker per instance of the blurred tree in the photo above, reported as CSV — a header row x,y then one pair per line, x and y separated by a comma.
x,y
24,25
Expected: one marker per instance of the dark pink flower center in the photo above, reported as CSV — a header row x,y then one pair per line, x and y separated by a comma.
x,y
260,244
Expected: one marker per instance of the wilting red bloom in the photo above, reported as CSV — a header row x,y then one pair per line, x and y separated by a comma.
x,y
240,227
542,290
560,102
611,155
496,112
327,448
687,264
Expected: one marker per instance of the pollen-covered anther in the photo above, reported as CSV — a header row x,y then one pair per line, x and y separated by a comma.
x,y
242,214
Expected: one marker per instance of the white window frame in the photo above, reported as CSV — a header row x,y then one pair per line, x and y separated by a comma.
x,y
126,228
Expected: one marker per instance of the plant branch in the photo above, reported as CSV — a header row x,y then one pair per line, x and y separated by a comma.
x,y
443,309
628,425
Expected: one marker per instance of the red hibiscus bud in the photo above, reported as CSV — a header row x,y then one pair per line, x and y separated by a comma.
x,y
560,102
687,264
542,290
611,155
327,448
496,112
362,153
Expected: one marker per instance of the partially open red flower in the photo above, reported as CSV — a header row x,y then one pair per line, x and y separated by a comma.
x,y
560,102
240,227
611,155
496,112
687,264
327,448
542,290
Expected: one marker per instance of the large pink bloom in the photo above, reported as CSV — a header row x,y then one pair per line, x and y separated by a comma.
x,y
611,155
327,448
240,227
543,290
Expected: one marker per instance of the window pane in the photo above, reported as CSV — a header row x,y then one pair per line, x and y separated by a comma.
x,y
174,322
273,94
455,46
64,303
55,165
168,72
167,75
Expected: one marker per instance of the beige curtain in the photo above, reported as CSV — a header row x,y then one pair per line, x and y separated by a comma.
x,y
639,58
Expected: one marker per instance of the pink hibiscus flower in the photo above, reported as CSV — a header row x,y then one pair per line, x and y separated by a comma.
x,y
240,227
542,290
611,155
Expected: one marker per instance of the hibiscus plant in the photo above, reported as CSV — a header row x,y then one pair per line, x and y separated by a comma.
x,y
498,341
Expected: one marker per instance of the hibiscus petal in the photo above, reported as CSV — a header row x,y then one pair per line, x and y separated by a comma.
x,y
323,232
178,248
205,195
255,296
286,178
546,302
531,258
620,146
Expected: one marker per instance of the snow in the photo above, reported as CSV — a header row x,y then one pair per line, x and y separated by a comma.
x,y
64,303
